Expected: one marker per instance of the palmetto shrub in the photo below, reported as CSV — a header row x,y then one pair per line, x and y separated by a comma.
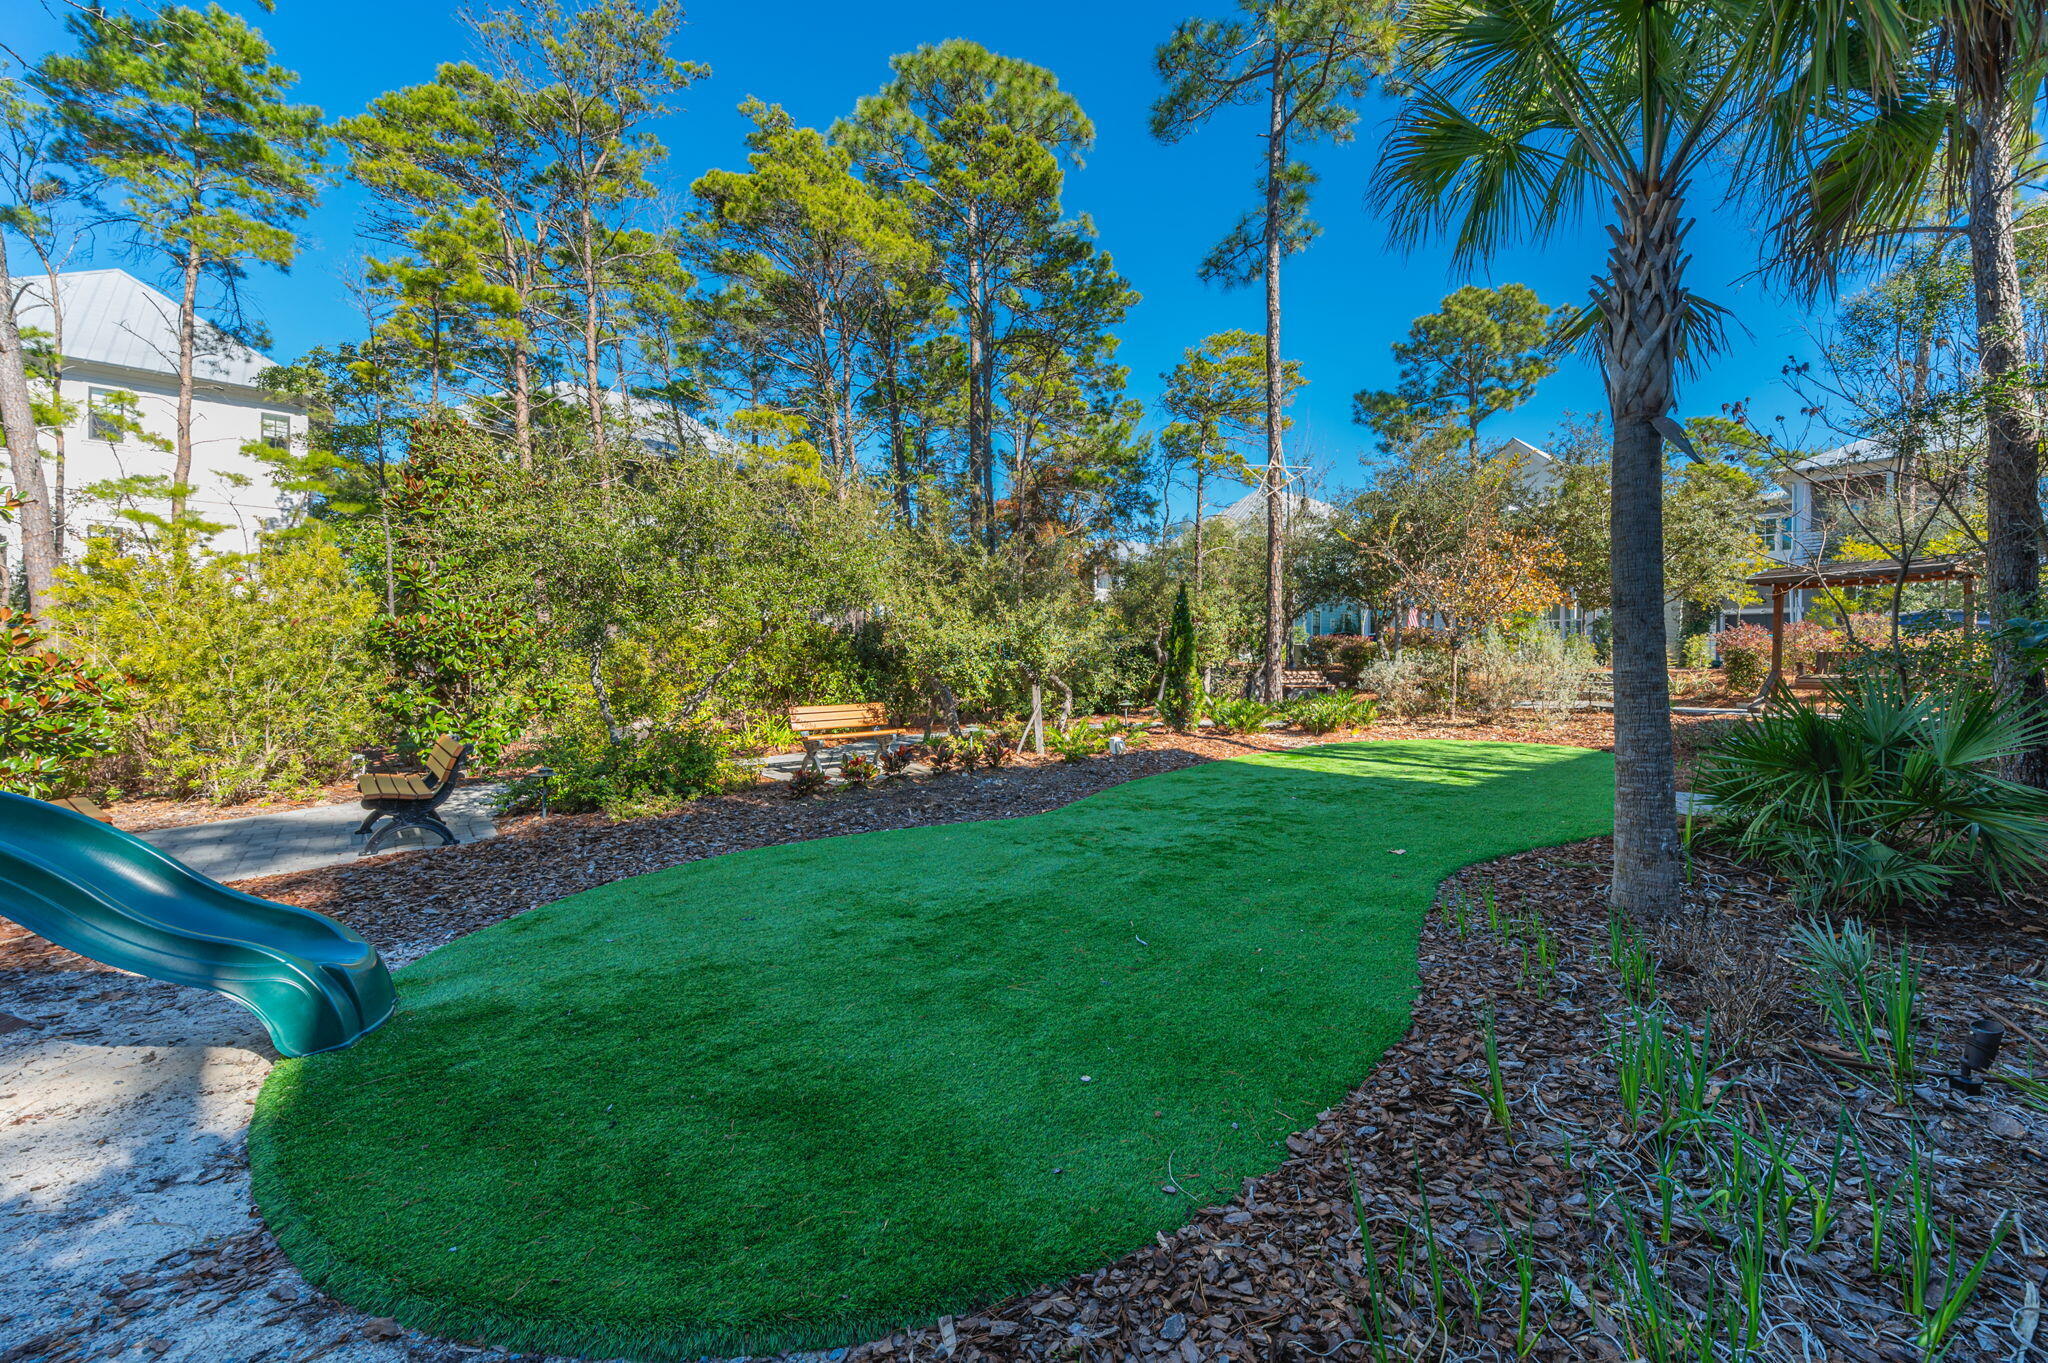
x,y
1328,714
1077,742
1238,715
1892,799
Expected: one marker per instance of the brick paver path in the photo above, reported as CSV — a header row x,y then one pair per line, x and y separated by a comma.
x,y
302,839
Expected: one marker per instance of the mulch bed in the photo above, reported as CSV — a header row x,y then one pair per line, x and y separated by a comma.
x,y
1281,1274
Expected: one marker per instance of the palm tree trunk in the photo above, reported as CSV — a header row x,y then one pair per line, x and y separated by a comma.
x,y
2012,453
1640,302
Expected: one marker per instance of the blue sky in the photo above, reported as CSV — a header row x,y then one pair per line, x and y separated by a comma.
x,y
1157,208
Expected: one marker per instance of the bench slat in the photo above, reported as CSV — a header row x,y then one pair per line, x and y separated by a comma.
x,y
824,717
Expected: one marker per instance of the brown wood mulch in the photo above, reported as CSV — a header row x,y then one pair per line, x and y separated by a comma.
x,y
1281,1273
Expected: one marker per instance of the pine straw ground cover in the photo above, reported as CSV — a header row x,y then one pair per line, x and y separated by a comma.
x,y
1783,1201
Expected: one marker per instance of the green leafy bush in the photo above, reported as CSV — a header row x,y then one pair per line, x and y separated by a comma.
x,y
1238,715
633,776
1328,714
1077,742
251,672
464,666
57,715
765,734
1893,799
1696,652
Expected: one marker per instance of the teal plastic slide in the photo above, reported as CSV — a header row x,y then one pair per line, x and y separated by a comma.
x,y
109,895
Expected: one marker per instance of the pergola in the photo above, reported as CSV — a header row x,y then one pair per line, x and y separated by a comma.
x,y
1878,573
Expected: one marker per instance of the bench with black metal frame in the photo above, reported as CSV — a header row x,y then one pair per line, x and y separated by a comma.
x,y
411,801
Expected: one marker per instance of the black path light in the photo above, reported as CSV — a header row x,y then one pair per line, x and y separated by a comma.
x,y
1980,1053
546,774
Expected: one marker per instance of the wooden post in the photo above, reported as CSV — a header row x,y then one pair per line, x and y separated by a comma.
x,y
1776,678
1969,605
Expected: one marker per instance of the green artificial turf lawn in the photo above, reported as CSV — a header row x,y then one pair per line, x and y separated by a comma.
x,y
803,1095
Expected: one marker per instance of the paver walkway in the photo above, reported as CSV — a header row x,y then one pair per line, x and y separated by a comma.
x,y
302,839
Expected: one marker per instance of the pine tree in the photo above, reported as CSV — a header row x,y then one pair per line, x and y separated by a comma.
x,y
1481,353
1304,61
976,143
187,116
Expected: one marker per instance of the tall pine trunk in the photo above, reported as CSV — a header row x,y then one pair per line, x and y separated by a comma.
x,y
1276,469
18,423
899,453
593,339
2012,431
1640,304
188,327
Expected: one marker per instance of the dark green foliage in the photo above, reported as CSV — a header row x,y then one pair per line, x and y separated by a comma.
x,y
1183,698
1893,799
1327,714
1077,743
1237,715
472,667
57,714
631,776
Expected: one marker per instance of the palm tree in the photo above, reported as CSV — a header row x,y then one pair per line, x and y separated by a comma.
x,y
1912,120
1523,113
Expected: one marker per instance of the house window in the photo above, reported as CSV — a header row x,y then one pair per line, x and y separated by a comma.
x,y
277,430
103,419
1776,532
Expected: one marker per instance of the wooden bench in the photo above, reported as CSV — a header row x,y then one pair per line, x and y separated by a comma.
x,y
820,724
1306,679
411,800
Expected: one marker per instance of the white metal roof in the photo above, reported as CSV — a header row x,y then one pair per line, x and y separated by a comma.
x,y
113,318
1252,507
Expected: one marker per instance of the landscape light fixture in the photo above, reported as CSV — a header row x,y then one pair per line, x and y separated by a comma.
x,y
545,774
1980,1053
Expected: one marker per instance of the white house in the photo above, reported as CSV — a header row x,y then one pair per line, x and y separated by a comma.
x,y
1804,511
120,336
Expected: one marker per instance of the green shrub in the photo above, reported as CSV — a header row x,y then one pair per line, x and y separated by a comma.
x,y
1537,666
1411,683
1180,705
251,672
58,716
1893,799
1077,742
1238,715
471,667
636,775
766,734
1328,714
1696,652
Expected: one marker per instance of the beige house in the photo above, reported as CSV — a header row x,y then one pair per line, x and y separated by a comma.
x,y
120,337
